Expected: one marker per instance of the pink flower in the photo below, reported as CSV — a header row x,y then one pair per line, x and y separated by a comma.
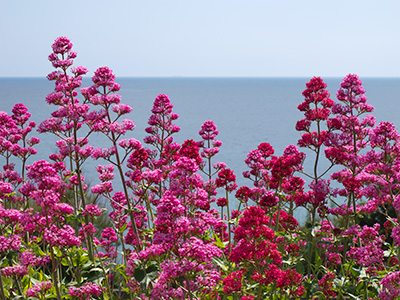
x,y
233,282
121,109
390,286
39,290
61,45
92,210
269,199
326,284
103,77
85,291
61,237
16,270
12,242
208,130
222,202
226,179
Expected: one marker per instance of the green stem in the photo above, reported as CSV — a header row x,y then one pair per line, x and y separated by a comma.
x,y
105,276
19,287
229,222
365,290
121,174
54,273
2,295
279,214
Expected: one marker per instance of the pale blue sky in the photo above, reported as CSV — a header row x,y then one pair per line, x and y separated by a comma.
x,y
206,37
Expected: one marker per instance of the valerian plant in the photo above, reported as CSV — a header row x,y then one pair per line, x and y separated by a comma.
x,y
173,233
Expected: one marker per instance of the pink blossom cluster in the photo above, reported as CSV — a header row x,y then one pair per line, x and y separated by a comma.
x,y
165,238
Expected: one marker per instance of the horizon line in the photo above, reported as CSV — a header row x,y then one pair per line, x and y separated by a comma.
x,y
210,77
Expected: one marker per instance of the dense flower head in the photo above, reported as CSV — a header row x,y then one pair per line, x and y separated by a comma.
x,y
208,130
29,258
5,189
396,235
62,56
390,286
255,239
257,161
286,221
14,131
198,250
386,137
254,224
268,200
14,271
183,167
103,76
326,284
121,109
313,139
369,251
226,179
222,202
20,113
162,105
243,193
283,167
39,289
320,190
190,149
85,291
49,183
118,200
316,94
105,172
232,282
353,104
77,71
92,210
61,45
351,90
161,124
61,237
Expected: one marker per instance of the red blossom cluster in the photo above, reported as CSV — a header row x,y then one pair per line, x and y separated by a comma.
x,y
164,238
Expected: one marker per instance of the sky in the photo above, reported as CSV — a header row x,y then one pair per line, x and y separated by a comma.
x,y
205,38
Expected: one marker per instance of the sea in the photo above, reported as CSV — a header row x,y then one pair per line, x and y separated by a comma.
x,y
247,111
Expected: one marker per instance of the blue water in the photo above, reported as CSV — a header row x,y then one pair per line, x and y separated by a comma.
x,y
247,111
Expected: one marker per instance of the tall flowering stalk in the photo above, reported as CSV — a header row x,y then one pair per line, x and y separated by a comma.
x,y
14,143
317,109
68,119
106,121
160,136
347,148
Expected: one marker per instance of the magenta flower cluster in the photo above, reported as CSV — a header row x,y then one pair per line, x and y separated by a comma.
x,y
160,224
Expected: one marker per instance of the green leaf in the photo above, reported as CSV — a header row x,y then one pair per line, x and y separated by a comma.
x,y
318,260
147,276
122,229
57,252
218,242
139,274
64,262
352,296
300,268
220,263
